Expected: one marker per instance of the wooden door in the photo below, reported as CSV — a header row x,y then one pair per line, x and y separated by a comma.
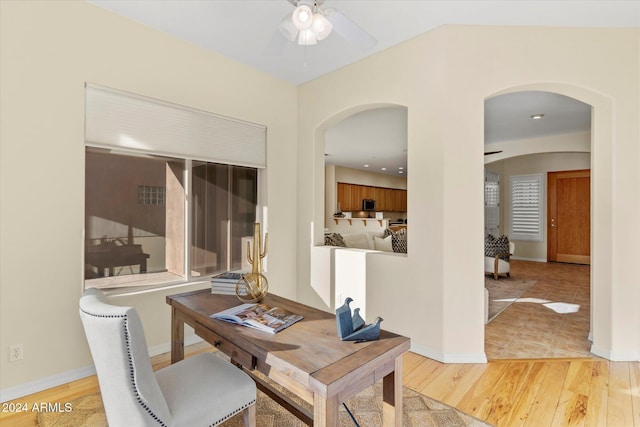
x,y
569,216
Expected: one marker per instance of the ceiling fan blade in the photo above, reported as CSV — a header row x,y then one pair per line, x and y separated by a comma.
x,y
492,152
277,44
350,31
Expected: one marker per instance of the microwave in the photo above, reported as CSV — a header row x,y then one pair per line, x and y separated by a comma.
x,y
368,205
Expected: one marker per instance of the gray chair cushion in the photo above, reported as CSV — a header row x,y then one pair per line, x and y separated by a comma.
x,y
205,390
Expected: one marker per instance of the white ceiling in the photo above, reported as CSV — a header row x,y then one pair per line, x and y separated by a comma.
x,y
370,140
508,117
243,29
246,31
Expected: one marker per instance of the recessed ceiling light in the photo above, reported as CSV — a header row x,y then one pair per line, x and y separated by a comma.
x,y
537,116
384,169
400,168
400,171
366,166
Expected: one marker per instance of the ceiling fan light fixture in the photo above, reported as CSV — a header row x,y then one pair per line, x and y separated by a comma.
x,y
321,26
302,17
288,28
307,38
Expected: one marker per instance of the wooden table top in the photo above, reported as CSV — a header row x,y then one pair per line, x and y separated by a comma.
x,y
309,350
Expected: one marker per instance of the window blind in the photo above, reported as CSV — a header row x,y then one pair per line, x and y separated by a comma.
x,y
116,119
526,207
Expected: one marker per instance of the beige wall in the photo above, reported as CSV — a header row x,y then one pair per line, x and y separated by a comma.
x,y
443,77
48,51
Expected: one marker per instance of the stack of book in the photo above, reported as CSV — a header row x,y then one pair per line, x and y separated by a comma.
x,y
225,283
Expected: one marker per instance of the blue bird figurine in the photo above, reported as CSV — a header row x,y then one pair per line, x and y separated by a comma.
x,y
367,333
357,321
343,319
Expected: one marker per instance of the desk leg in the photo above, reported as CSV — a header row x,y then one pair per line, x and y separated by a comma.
x,y
177,336
392,396
325,411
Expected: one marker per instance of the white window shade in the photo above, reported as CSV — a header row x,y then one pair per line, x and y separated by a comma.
x,y
119,120
526,207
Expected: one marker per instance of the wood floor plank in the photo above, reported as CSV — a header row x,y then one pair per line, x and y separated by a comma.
x,y
412,366
619,404
526,394
546,400
427,371
572,407
634,373
497,408
480,394
598,392
453,382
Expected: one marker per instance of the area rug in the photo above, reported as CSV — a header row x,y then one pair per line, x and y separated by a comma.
x,y
504,292
366,407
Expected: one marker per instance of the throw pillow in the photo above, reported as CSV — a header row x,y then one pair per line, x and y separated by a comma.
x,y
493,246
398,239
489,247
384,244
334,239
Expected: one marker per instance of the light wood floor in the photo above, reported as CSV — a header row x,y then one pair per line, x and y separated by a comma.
x,y
534,392
528,391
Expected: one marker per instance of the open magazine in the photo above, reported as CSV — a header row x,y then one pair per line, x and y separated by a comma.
x,y
259,316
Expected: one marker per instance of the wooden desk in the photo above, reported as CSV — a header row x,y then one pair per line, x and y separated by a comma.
x,y
308,358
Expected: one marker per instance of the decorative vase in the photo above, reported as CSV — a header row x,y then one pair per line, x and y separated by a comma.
x,y
252,287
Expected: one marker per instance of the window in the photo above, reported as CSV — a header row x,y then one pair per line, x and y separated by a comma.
x,y
526,207
134,243
491,203
170,192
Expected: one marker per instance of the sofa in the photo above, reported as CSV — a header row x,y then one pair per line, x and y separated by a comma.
x,y
384,241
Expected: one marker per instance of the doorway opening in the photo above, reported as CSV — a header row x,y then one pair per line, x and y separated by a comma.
x,y
531,133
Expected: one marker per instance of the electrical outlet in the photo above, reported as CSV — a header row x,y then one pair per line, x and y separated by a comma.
x,y
16,352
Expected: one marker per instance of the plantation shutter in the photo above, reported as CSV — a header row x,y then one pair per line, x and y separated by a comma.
x,y
526,207
121,120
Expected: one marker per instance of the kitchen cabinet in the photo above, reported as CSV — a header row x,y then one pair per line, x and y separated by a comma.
x,y
345,196
350,197
400,197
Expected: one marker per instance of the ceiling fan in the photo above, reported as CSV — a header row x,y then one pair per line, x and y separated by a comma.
x,y
310,23
492,152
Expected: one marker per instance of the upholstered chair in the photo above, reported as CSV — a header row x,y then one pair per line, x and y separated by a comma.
x,y
203,390
496,265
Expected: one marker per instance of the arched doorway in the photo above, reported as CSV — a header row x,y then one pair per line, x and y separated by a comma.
x,y
598,132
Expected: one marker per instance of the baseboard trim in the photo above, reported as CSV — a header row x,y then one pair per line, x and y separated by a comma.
x,y
448,357
615,356
12,393
520,258
45,383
